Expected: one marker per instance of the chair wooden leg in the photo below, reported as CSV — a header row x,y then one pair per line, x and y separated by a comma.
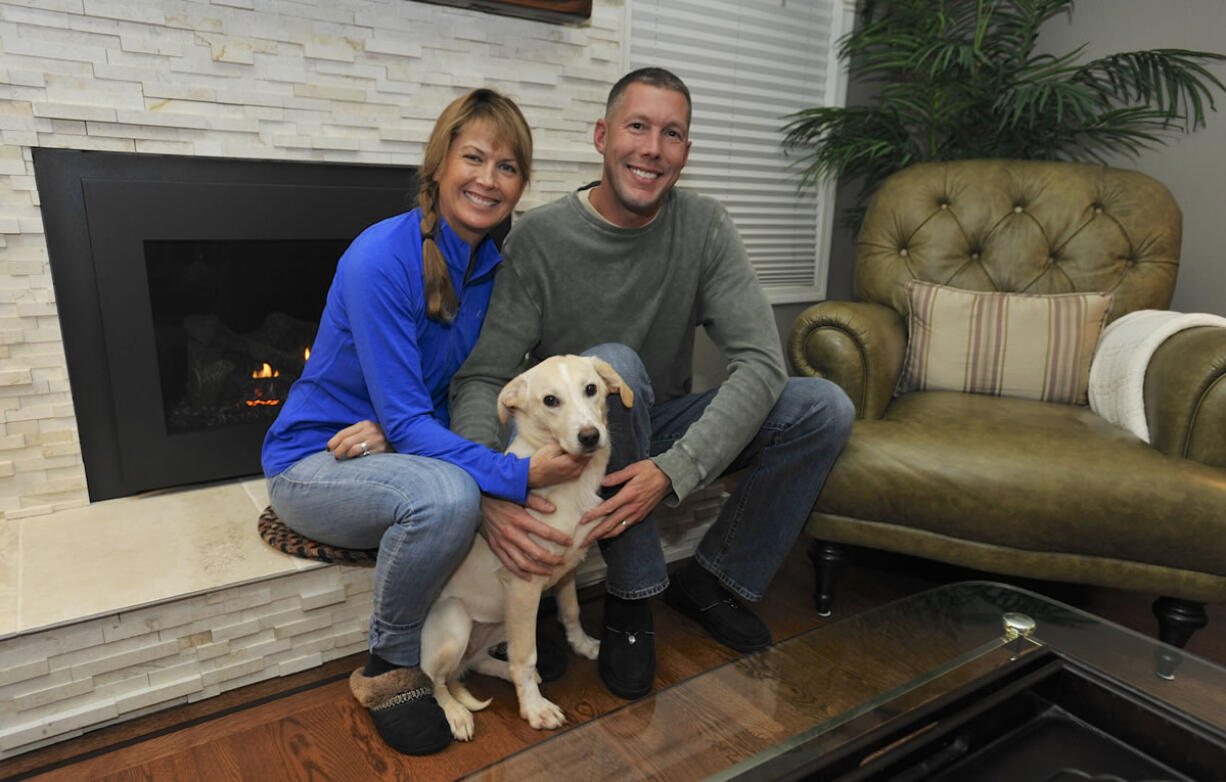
x,y
828,561
1177,620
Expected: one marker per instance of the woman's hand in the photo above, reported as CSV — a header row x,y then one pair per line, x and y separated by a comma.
x,y
361,439
509,531
552,465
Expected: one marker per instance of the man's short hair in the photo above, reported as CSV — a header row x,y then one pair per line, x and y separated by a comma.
x,y
652,77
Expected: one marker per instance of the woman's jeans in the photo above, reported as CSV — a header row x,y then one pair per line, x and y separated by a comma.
x,y
786,464
421,513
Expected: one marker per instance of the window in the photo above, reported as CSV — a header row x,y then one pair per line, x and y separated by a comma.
x,y
748,64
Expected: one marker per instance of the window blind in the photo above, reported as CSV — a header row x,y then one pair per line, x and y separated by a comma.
x,y
749,64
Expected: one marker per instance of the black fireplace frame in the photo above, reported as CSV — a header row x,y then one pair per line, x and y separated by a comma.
x,y
98,208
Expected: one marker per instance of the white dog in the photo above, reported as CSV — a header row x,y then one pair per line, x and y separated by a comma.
x,y
560,400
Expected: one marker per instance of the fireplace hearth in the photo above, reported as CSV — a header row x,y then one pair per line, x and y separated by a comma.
x,y
189,291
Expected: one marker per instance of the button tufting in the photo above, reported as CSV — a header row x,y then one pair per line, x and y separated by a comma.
x,y
1098,210
975,256
902,251
1018,208
944,204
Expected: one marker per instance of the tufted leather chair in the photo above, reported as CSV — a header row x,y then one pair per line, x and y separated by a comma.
x,y
1013,486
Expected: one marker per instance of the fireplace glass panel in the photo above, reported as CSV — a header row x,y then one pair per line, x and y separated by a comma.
x,y
233,324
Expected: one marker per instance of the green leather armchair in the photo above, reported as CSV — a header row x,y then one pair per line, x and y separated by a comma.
x,y
1014,486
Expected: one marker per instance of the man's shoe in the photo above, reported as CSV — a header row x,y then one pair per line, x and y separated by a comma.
x,y
700,597
551,660
627,660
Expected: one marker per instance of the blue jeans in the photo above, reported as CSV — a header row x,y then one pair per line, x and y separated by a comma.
x,y
420,513
786,464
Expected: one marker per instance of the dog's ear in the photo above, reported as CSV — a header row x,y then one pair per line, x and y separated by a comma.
x,y
510,397
614,381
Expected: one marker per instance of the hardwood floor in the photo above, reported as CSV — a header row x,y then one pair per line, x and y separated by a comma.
x,y
307,726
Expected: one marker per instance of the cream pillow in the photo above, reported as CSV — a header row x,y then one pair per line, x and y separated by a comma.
x,y
1005,344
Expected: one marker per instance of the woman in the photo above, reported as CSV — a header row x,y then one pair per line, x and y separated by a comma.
x,y
403,312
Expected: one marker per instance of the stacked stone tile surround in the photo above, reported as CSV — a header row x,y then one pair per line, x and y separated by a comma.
x,y
354,81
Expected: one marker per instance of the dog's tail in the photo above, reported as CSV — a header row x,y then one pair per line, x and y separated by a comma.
x,y
467,699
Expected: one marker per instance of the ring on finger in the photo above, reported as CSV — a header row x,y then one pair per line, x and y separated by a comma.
x,y
365,450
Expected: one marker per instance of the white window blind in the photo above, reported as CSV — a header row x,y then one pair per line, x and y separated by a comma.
x,y
749,64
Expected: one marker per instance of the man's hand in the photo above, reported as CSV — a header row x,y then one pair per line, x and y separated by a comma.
x,y
645,485
360,439
509,531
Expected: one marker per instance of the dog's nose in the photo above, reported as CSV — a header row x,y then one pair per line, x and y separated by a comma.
x,y
589,437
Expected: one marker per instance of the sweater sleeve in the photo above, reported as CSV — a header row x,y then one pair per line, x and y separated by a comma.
x,y
511,330
735,313
383,313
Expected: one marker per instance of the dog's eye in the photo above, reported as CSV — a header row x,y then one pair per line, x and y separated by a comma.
x,y
590,390
550,400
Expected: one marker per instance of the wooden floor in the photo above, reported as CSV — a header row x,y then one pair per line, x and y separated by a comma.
x,y
307,726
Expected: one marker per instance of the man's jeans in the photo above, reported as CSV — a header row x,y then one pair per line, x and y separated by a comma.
x,y
786,465
421,513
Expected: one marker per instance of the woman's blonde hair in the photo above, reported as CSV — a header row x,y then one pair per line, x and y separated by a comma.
x,y
511,129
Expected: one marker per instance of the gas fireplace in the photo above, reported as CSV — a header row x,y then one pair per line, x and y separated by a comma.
x,y
189,292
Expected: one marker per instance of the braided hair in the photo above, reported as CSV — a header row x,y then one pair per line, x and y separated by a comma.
x,y
511,129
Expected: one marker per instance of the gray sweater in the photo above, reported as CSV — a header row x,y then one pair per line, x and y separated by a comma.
x,y
571,280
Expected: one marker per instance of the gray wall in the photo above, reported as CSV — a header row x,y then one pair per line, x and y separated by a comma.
x,y
1192,166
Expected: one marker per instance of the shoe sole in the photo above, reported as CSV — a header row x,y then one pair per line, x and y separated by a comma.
x,y
625,692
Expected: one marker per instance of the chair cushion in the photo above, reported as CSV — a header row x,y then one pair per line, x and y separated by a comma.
x,y
1004,344
1032,476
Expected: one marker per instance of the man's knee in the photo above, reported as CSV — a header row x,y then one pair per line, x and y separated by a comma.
x,y
816,404
627,364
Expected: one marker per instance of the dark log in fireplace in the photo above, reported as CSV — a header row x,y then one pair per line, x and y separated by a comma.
x,y
189,290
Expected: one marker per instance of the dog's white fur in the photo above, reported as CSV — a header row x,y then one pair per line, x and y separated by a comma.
x,y
561,399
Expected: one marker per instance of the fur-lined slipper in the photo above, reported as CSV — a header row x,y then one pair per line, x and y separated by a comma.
x,y
402,706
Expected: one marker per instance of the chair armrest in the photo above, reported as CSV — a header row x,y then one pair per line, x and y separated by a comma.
x,y
857,345
1185,395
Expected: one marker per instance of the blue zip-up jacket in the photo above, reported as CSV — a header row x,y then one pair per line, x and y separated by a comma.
x,y
378,356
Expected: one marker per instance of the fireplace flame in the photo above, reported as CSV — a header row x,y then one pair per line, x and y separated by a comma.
x,y
266,371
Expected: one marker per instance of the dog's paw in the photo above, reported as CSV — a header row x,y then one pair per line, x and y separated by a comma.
x,y
461,721
585,645
542,714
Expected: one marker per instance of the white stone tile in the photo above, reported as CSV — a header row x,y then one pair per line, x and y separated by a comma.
x,y
159,694
305,662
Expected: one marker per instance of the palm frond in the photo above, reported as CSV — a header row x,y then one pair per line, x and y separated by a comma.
x,y
1174,80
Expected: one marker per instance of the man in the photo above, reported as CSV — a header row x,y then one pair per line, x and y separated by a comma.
x,y
625,269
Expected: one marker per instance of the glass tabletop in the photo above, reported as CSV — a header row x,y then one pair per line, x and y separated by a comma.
x,y
821,689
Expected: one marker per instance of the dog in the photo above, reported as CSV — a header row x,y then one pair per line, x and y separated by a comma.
x,y
560,400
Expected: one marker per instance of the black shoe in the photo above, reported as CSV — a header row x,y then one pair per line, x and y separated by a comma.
x,y
402,706
551,660
627,660
701,597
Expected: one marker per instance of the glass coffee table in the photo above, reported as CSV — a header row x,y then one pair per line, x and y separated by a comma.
x,y
975,680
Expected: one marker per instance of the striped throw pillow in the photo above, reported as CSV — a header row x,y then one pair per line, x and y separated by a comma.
x,y
1004,344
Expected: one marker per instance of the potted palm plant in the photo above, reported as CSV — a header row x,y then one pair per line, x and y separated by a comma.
x,y
958,79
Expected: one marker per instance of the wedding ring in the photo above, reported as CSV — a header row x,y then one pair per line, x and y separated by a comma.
x,y
623,525
365,450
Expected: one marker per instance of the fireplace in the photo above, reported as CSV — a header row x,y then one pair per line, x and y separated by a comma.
x,y
189,291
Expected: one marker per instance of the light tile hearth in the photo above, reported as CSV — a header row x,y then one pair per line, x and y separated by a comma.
x,y
156,546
